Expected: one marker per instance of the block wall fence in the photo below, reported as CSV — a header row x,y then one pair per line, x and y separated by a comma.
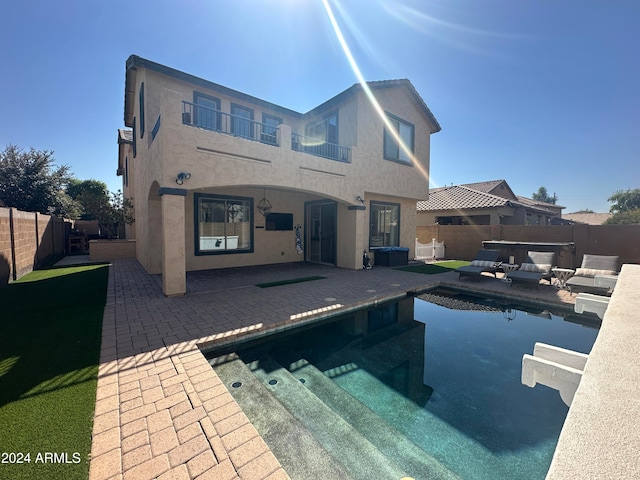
x,y
28,240
462,242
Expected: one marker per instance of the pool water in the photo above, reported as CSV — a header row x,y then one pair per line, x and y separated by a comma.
x,y
433,379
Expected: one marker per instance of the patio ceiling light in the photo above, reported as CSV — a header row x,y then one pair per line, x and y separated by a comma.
x,y
264,206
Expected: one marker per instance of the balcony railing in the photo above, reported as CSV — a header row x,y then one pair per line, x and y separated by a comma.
x,y
222,122
218,121
319,148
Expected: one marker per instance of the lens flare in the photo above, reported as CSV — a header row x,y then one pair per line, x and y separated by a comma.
x,y
365,87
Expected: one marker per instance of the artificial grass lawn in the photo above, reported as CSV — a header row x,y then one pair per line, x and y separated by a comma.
x,y
50,330
431,268
288,282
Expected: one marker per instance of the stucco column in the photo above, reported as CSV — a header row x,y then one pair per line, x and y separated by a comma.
x,y
359,222
174,276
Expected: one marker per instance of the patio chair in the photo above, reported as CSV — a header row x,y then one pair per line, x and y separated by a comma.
x,y
537,267
485,261
593,265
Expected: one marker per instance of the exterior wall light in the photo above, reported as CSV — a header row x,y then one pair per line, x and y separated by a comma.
x,y
182,176
360,199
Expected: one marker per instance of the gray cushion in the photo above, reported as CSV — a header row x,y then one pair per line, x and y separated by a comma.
x,y
600,262
519,275
547,258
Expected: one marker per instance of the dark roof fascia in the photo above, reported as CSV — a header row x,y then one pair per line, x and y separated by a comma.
x,y
134,61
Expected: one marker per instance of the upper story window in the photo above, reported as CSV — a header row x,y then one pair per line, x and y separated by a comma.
x,y
326,130
206,111
135,143
269,133
405,131
241,121
141,102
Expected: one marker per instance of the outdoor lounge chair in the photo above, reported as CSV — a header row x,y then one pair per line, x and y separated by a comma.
x,y
537,266
584,279
485,261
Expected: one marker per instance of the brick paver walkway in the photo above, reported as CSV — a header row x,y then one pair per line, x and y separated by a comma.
x,y
162,412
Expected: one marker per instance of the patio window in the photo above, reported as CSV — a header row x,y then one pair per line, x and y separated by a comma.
x,y
385,225
403,130
223,224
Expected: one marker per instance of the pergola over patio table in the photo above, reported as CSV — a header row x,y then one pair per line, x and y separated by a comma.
x,y
565,251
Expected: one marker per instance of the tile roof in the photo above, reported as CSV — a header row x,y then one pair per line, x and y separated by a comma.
x,y
125,136
529,202
464,197
587,218
460,197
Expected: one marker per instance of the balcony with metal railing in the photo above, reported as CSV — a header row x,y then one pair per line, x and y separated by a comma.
x,y
218,121
222,122
319,148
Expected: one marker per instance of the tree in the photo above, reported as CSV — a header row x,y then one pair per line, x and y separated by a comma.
x,y
630,217
31,182
109,213
92,195
625,200
543,196
625,208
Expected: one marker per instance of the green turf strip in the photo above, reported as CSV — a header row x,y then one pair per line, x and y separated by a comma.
x,y
288,282
50,329
431,268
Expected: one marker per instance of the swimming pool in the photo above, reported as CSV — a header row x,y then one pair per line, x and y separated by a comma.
x,y
427,387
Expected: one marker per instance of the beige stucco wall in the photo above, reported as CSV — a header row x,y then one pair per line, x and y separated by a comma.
x,y
214,159
106,250
224,164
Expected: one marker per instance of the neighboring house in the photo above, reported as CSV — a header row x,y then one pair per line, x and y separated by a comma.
x,y
483,203
587,218
223,179
125,157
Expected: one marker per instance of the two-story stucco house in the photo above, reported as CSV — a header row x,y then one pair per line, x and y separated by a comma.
x,y
223,179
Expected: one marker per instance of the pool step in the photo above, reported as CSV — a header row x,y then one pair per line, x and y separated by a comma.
x,y
288,439
359,457
384,436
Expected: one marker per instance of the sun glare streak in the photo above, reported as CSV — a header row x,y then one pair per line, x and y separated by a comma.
x,y
368,92
413,13
453,34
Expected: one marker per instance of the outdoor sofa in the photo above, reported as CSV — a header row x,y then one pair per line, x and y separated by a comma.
x,y
485,261
537,266
593,265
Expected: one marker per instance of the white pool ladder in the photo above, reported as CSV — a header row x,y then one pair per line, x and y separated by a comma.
x,y
555,367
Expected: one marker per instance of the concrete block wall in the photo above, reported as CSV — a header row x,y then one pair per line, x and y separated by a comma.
x,y
27,240
106,250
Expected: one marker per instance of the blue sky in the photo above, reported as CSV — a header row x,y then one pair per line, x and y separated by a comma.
x,y
536,92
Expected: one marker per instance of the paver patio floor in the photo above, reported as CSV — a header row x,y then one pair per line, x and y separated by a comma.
x,y
162,412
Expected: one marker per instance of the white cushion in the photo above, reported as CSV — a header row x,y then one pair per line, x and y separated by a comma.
x,y
535,267
592,272
483,263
